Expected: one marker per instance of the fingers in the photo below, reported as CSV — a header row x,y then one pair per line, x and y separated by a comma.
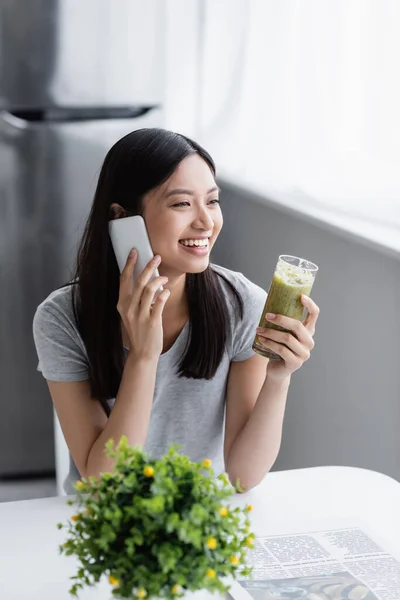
x,y
282,351
313,313
125,285
284,339
296,327
148,293
143,279
159,304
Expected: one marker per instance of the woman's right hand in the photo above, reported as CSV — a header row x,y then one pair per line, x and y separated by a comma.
x,y
142,320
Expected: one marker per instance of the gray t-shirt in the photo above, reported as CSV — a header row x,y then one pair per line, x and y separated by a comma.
x,y
188,412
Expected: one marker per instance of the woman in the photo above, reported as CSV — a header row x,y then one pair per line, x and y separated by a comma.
x,y
181,371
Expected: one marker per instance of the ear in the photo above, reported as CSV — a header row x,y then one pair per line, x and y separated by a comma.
x,y
117,211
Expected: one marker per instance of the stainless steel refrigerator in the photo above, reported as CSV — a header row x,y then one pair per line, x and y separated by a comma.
x,y
74,77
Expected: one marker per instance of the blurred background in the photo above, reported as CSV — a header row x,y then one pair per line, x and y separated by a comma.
x,y
298,103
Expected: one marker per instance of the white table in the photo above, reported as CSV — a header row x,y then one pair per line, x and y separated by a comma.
x,y
286,502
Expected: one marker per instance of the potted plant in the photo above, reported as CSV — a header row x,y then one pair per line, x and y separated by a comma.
x,y
156,528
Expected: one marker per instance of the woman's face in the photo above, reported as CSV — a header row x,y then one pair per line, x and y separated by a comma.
x,y
183,217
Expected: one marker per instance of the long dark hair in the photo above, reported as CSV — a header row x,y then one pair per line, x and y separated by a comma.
x,y
136,164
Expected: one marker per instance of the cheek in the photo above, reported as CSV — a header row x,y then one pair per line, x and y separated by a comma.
x,y
218,222
162,232
156,235
154,230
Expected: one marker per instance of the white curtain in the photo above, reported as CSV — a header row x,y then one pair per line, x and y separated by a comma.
x,y
302,98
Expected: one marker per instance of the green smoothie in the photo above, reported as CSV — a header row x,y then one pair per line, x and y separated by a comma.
x,y
284,298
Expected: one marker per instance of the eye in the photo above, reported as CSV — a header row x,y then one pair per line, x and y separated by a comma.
x,y
181,204
215,201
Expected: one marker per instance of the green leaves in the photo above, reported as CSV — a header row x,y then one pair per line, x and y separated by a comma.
x,y
154,505
148,525
168,555
190,534
198,514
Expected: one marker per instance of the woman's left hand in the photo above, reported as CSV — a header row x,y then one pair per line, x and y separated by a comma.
x,y
295,347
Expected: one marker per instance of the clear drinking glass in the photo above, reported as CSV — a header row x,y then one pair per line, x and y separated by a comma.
x,y
293,277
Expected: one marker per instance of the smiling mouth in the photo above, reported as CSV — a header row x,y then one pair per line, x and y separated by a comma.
x,y
204,243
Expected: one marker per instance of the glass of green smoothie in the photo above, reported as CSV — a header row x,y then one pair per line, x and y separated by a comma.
x,y
293,277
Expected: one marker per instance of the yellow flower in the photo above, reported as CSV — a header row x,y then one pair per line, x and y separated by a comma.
x,y
113,580
207,463
79,484
250,541
75,517
234,560
249,507
212,543
148,471
210,573
141,593
176,589
223,511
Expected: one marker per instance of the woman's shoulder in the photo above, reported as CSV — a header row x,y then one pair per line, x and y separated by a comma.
x,y
243,322
250,292
60,348
56,309
58,301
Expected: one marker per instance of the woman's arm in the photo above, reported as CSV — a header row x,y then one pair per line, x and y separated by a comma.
x,y
257,393
86,427
130,415
255,409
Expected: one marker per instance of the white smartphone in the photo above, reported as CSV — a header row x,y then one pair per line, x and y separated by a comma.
x,y
127,233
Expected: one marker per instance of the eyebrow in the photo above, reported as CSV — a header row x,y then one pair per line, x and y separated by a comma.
x,y
189,192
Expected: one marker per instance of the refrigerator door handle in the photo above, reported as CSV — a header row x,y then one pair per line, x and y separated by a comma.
x,y
60,114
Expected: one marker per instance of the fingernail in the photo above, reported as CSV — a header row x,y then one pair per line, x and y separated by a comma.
x,y
259,329
132,253
157,259
271,316
305,297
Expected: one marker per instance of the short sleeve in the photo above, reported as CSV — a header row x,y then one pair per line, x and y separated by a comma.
x,y
59,347
244,330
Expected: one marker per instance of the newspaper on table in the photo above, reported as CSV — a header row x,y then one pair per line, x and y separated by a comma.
x,y
335,564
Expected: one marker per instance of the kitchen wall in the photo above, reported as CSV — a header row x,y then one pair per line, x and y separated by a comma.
x,y
344,404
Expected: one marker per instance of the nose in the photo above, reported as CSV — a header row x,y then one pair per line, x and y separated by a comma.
x,y
203,220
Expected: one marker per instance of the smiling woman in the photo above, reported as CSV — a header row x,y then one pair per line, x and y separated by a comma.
x,y
182,370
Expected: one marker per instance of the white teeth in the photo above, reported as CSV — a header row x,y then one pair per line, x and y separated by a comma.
x,y
199,243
